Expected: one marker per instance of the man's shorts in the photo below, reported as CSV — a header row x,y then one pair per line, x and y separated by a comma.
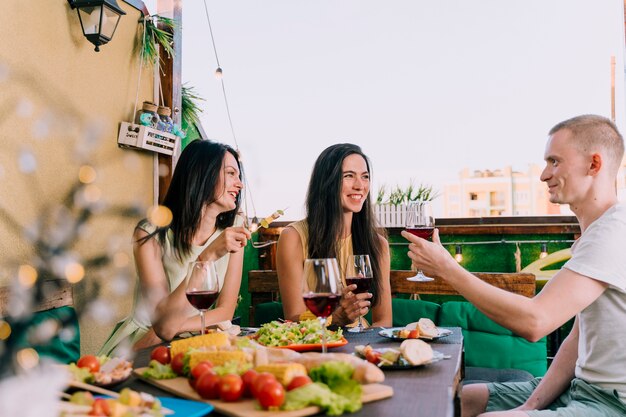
x,y
581,399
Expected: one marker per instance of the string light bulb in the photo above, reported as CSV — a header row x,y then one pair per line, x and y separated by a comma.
x,y
218,73
458,253
544,251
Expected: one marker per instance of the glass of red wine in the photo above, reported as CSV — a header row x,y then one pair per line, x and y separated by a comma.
x,y
203,287
321,289
359,272
421,223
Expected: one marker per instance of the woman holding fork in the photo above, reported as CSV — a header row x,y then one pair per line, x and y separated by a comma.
x,y
340,223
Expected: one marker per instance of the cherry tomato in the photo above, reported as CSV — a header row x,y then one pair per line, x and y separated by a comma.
x,y
271,394
90,362
248,380
207,386
200,369
373,357
161,354
260,380
231,387
299,381
177,363
100,407
414,334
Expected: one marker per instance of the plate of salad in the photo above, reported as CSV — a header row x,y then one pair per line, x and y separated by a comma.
x,y
102,371
302,336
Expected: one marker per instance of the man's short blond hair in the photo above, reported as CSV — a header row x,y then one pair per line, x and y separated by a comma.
x,y
593,133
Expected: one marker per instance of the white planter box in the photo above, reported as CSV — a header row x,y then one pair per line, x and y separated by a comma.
x,y
390,216
146,138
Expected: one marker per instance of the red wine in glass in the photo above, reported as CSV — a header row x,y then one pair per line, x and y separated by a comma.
x,y
363,284
202,300
322,305
423,232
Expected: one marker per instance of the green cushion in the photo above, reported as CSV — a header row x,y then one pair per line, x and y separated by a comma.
x,y
61,350
490,345
266,312
408,311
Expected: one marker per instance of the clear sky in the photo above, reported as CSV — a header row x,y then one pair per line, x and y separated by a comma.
x,y
424,87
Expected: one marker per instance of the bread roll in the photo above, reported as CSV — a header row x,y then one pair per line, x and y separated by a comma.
x,y
416,352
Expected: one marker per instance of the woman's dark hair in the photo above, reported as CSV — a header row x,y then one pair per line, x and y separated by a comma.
x,y
193,187
325,213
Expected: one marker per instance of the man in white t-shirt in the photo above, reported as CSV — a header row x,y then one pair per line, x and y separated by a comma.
x,y
588,374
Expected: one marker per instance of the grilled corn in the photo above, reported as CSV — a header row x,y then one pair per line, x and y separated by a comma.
x,y
284,372
209,339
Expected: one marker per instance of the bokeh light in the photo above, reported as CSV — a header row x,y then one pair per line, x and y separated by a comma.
x,y
87,174
121,259
160,216
27,358
74,272
27,275
5,330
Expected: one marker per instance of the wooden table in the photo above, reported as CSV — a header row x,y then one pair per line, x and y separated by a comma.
x,y
430,390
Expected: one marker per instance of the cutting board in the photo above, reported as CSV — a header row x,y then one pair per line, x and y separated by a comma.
x,y
248,407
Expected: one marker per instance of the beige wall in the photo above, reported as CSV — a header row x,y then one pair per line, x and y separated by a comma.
x,y
48,66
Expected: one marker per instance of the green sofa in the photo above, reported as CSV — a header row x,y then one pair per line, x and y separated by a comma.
x,y
487,344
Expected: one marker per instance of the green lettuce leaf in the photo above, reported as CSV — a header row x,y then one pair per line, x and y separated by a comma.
x,y
320,395
157,370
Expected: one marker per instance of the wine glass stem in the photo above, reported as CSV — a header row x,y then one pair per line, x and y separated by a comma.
x,y
203,326
323,321
360,326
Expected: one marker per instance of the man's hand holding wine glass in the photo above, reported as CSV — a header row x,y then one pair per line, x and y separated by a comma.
x,y
430,257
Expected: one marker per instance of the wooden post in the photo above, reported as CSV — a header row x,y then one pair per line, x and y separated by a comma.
x,y
171,69
613,88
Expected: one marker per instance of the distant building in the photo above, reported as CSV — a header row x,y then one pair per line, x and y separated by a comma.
x,y
501,192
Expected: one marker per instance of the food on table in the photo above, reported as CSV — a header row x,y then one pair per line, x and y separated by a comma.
x,y
129,404
416,352
216,339
100,370
425,326
411,352
276,378
304,332
364,372
160,354
284,372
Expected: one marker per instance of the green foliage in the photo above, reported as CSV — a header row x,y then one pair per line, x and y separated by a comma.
x,y
157,36
191,110
411,193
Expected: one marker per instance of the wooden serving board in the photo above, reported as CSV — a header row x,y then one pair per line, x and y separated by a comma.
x,y
248,407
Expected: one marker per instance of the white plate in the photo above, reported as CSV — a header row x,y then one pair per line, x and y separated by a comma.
x,y
388,333
437,356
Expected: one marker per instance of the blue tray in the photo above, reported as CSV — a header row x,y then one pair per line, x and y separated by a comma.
x,y
186,408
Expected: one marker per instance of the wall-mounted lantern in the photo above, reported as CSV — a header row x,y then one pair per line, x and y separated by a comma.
x,y
98,19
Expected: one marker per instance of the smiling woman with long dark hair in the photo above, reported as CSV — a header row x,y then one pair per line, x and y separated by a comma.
x,y
204,198
340,223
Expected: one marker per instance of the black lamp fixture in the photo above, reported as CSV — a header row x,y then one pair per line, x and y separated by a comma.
x,y
98,19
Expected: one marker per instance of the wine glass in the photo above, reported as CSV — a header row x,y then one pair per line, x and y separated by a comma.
x,y
321,289
359,272
421,223
203,287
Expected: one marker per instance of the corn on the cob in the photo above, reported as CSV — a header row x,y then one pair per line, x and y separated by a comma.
x,y
284,372
219,357
209,339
